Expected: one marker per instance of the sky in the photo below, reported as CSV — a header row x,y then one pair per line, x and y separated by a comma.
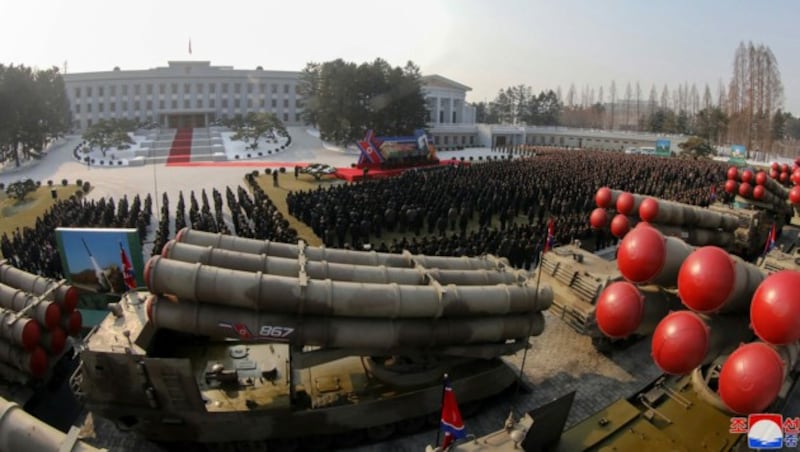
x,y
485,44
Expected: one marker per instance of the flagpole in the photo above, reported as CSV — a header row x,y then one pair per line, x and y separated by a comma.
x,y
441,406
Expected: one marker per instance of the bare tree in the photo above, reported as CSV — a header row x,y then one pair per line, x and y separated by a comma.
x,y
628,94
638,103
665,98
612,92
652,100
571,96
707,97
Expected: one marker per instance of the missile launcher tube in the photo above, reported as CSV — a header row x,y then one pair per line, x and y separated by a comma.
x,y
46,313
698,237
646,256
23,332
65,296
219,257
32,363
660,211
19,431
285,295
712,281
772,185
291,251
380,334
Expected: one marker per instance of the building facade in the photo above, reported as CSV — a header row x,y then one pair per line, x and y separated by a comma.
x,y
196,94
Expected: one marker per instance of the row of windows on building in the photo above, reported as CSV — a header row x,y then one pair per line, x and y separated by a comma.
x,y
154,118
453,140
187,88
198,103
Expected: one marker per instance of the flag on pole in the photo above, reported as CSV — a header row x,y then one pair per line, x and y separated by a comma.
x,y
551,236
127,269
190,46
452,423
770,240
713,196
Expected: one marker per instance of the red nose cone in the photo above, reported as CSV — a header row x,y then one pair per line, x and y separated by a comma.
x,y
52,316
784,177
775,309
38,362
747,176
74,323
706,279
731,186
796,176
745,190
179,235
775,166
167,248
758,192
648,210
751,378
147,268
761,178
641,254
31,333
70,301
625,203
773,173
784,167
680,342
794,195
620,225
58,340
733,173
619,310
602,199
599,218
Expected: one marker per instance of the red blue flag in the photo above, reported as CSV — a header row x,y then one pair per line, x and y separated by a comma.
x,y
127,269
770,240
551,236
452,423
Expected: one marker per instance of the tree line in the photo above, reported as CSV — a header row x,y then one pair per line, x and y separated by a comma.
x,y
34,110
747,111
344,99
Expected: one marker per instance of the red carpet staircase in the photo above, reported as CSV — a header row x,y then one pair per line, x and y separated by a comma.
x,y
181,150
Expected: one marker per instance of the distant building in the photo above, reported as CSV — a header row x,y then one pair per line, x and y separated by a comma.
x,y
195,94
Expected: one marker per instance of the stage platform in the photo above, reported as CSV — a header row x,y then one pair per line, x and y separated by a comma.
x,y
357,174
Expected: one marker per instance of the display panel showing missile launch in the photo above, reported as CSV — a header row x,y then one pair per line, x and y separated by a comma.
x,y
101,260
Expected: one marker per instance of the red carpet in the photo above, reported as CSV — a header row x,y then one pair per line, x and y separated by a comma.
x,y
355,174
181,150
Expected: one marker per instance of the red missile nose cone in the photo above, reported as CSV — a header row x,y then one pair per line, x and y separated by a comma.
x,y
70,301
619,310
52,316
641,254
38,362
784,177
775,166
625,203
745,190
706,279
758,192
794,195
620,225
775,309
602,199
648,210
751,378
796,176
731,186
733,173
599,218
58,340
167,248
74,323
761,178
773,173
784,167
747,176
31,333
680,342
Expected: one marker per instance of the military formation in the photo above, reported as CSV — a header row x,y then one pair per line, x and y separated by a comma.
x,y
501,205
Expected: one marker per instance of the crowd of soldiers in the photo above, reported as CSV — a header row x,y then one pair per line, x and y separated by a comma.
x,y
500,206
35,249
254,217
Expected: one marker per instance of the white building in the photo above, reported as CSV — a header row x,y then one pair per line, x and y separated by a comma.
x,y
195,93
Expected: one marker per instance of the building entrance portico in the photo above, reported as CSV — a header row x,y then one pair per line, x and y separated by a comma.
x,y
185,120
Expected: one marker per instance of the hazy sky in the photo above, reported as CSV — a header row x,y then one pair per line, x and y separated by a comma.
x,y
485,44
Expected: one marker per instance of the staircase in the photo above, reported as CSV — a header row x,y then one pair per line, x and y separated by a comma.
x,y
181,150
